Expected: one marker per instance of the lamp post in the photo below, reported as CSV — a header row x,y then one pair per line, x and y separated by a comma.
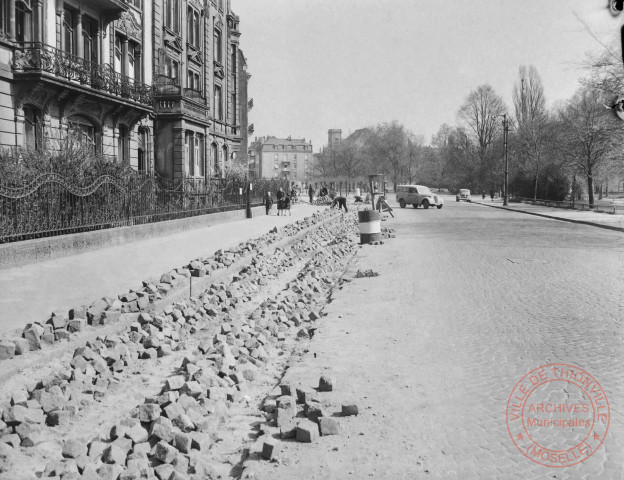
x,y
249,188
506,131
505,137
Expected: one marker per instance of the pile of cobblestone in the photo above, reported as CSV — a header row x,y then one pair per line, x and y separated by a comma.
x,y
168,435
104,311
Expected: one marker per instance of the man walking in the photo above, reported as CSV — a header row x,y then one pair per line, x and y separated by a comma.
x,y
311,193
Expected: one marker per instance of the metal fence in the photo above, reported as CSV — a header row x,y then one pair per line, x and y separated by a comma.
x,y
603,206
51,205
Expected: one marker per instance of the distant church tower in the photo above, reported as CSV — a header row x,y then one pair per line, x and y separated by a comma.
x,y
334,137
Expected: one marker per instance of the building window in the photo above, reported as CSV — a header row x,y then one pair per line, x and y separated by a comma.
x,y
123,145
118,60
171,68
192,81
135,3
33,128
214,152
68,31
131,71
142,152
188,153
217,46
89,39
234,62
84,132
193,28
218,102
199,152
234,110
172,15
197,155
4,18
23,21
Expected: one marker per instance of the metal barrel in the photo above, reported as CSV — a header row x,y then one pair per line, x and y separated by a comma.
x,y
370,226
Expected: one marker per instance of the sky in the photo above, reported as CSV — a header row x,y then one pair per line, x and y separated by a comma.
x,y
349,64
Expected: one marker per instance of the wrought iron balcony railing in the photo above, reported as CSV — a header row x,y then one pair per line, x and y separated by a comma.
x,y
39,57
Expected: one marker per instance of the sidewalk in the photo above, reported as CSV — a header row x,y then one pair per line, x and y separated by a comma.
x,y
601,220
31,292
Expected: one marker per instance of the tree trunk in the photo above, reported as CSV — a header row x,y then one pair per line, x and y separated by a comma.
x,y
590,186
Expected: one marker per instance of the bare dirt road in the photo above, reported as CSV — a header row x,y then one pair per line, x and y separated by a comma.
x,y
468,300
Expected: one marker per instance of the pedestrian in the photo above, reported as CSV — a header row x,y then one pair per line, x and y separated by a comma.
x,y
483,194
311,193
492,194
268,202
341,202
358,195
286,205
324,191
280,200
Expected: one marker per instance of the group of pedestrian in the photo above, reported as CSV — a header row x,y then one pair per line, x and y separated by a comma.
x,y
283,202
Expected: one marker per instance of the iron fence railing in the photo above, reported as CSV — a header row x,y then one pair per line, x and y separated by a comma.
x,y
40,57
604,206
51,205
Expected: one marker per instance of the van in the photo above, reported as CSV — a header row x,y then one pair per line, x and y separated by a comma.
x,y
417,195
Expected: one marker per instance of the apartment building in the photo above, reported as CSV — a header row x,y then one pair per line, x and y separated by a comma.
x,y
158,84
289,158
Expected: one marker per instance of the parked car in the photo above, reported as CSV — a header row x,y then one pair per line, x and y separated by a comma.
x,y
417,195
463,194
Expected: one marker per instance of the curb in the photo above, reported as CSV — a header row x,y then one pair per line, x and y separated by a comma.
x,y
552,217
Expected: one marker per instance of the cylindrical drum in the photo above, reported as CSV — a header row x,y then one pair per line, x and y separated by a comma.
x,y
370,226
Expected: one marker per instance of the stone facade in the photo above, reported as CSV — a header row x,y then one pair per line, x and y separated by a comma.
x,y
158,84
289,158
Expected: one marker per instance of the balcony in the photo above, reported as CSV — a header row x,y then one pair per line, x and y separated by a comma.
x,y
39,58
174,100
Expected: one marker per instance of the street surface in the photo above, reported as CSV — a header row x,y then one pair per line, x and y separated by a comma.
x,y
468,300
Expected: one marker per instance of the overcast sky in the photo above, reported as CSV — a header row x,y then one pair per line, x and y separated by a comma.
x,y
348,64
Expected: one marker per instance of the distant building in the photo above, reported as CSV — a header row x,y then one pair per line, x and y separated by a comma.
x,y
288,158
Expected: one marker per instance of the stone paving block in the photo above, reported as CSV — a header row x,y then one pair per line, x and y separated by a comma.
x,y
22,346
164,452
289,429
162,428
58,417
182,442
149,412
326,384
175,382
29,435
74,448
271,448
329,426
7,350
349,409
76,325
307,431
137,434
114,454
108,472
193,389
96,448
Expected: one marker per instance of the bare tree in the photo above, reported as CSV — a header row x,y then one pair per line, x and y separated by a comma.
x,y
588,134
532,121
387,149
478,113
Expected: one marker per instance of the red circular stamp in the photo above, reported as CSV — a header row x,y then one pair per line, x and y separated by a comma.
x,y
558,415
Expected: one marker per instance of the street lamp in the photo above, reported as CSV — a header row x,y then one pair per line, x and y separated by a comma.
x,y
505,136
